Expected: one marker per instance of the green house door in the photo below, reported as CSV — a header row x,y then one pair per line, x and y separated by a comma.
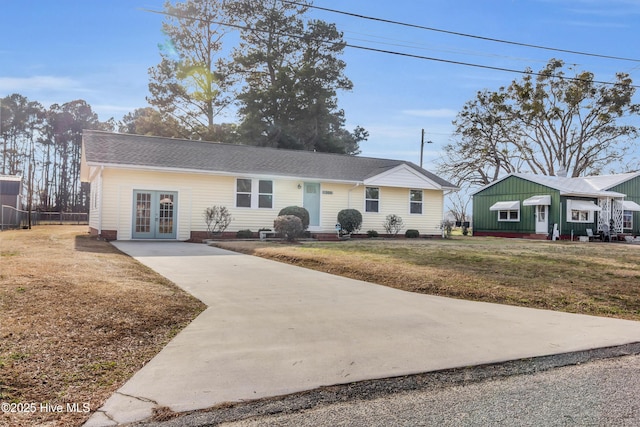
x,y
542,219
311,202
154,214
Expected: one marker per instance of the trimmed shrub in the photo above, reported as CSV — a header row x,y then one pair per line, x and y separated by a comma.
x,y
244,234
350,220
289,226
412,234
372,233
393,224
301,213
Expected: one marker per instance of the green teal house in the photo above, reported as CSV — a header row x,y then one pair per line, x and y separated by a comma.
x,y
530,206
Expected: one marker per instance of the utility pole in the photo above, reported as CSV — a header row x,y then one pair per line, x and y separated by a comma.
x,y
422,147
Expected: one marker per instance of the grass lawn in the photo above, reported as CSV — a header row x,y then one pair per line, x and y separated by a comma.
x,y
77,319
601,279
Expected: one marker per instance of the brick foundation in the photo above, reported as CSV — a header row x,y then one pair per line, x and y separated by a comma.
x,y
106,234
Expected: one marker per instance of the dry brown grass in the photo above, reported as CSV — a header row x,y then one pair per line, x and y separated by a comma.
x,y
77,319
601,279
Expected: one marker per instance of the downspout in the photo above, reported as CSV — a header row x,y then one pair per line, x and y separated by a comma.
x,y
100,201
560,222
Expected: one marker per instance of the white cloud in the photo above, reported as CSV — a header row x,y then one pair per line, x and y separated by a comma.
x,y
441,113
52,83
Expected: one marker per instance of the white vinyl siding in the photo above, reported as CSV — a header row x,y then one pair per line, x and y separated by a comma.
x,y
394,201
199,191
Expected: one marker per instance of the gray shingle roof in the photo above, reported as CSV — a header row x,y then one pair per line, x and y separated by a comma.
x,y
106,148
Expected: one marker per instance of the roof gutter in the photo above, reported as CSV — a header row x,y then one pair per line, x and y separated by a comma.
x,y
100,200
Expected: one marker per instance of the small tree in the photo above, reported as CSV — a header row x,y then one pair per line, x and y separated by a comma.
x,y
289,226
301,213
217,219
350,220
393,224
446,226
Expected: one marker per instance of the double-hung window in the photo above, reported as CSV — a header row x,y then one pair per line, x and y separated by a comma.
x,y
415,201
243,193
627,220
372,199
265,194
254,193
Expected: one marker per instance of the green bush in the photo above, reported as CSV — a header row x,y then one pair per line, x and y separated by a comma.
x,y
244,234
412,234
372,233
393,224
289,226
301,213
350,220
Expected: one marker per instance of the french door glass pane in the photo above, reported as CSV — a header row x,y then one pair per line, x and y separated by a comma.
x,y
143,212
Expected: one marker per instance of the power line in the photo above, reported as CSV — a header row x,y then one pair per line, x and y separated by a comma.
x,y
487,67
390,52
456,33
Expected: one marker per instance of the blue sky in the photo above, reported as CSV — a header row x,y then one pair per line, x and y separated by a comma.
x,y
100,51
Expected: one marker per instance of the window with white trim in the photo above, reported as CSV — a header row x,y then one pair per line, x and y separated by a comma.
x,y
509,215
254,193
580,216
243,193
627,220
581,211
265,194
372,199
415,201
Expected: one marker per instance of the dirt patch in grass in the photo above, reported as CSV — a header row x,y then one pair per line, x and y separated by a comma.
x,y
77,319
601,279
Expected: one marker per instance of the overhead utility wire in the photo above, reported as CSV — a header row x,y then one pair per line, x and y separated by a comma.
x,y
390,52
456,33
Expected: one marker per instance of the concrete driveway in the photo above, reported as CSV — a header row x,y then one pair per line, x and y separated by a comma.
x,y
272,329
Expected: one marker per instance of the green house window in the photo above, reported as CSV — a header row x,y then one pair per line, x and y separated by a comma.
x,y
507,210
627,220
509,215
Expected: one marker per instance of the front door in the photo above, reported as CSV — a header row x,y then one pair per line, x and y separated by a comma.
x,y
154,214
311,202
542,219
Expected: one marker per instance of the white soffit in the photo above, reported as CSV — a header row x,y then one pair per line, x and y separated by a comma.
x,y
506,206
402,176
543,200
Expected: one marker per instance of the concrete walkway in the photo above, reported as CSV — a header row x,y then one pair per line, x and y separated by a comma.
x,y
272,329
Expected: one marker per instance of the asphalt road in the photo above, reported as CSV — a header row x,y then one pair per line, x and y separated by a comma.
x,y
598,388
